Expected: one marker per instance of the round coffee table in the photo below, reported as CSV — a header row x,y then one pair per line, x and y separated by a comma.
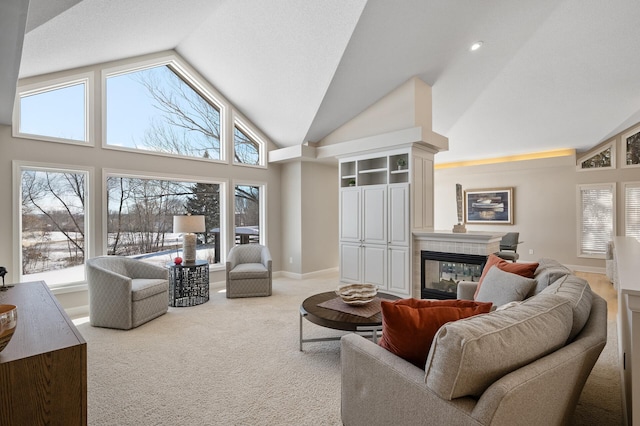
x,y
337,320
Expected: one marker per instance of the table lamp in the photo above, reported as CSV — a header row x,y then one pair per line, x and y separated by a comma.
x,y
187,225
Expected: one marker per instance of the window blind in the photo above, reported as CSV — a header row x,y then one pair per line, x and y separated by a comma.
x,y
632,209
597,218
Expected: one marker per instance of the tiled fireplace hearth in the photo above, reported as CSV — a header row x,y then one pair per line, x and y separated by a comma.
x,y
448,256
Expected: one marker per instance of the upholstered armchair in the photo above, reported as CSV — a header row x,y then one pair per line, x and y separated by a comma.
x,y
248,271
125,293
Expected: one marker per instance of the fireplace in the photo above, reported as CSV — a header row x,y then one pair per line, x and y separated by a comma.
x,y
452,257
440,272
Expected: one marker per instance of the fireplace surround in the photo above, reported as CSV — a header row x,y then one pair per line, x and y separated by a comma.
x,y
457,255
440,272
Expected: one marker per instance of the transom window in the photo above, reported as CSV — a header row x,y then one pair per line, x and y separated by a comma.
x,y
246,148
56,113
155,109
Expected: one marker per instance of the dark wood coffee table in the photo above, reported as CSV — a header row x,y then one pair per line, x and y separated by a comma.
x,y
337,320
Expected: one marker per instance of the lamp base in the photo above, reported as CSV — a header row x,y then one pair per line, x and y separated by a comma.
x,y
189,248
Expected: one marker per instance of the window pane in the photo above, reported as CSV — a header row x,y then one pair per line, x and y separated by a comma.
x,y
155,110
246,150
140,217
247,214
633,148
602,159
58,113
632,210
596,219
53,226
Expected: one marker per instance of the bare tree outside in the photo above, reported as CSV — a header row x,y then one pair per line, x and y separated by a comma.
x,y
53,213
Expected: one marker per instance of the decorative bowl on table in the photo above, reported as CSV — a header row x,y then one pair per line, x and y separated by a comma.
x,y
357,294
8,322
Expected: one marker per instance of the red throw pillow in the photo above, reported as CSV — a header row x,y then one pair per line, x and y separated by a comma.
x,y
409,325
526,270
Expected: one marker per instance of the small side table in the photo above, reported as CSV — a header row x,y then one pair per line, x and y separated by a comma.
x,y
188,283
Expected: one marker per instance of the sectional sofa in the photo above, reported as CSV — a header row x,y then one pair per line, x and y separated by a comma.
x,y
525,364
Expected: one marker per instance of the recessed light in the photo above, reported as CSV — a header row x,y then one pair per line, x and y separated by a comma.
x,y
475,46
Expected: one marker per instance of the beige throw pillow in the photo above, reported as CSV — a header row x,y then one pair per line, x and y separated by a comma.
x,y
500,287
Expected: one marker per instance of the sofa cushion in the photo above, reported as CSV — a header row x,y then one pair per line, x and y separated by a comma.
x,y
141,288
579,294
500,287
244,271
408,325
524,269
548,272
467,356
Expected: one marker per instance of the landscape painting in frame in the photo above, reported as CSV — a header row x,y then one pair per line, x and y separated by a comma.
x,y
492,206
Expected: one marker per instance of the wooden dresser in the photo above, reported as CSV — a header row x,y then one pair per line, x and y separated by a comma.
x,y
43,369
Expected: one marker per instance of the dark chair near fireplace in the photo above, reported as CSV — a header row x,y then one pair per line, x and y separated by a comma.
x,y
509,247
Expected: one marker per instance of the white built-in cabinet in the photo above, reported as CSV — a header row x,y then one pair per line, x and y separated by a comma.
x,y
375,220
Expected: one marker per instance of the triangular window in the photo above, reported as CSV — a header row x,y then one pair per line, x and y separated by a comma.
x,y
603,159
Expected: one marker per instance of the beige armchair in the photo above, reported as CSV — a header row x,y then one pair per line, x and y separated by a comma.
x,y
125,293
248,271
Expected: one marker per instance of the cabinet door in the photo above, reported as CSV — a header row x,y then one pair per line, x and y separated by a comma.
x,y
399,280
374,214
350,212
374,265
350,263
399,215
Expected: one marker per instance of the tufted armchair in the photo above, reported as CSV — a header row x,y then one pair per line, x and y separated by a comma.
x,y
125,293
248,271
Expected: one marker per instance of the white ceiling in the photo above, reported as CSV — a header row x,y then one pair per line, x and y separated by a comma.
x,y
551,74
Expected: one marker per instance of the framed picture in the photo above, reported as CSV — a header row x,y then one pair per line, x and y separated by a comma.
x,y
489,206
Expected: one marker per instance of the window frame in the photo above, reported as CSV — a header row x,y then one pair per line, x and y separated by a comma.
x,y
610,145
224,183
249,131
623,146
626,186
87,79
262,207
18,167
579,215
184,72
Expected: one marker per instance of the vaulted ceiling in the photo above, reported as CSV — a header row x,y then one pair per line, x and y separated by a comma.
x,y
551,74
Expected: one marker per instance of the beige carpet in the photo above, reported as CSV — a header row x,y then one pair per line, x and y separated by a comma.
x,y
236,362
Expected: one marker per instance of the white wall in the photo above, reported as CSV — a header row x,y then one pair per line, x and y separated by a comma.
x,y
319,217
291,211
545,204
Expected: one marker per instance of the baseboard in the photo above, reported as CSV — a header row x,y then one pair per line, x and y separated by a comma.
x,y
591,269
307,276
78,311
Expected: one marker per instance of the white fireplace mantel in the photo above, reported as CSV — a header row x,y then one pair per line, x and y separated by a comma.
x,y
475,242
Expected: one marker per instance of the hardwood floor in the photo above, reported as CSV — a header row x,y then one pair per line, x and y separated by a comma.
x,y
601,285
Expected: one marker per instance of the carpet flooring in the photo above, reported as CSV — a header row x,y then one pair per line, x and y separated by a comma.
x,y
237,362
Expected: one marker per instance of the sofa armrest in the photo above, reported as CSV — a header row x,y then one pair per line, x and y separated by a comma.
x,y
466,290
109,297
374,379
232,259
265,258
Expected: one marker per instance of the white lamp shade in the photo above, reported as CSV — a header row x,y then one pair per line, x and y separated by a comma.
x,y
188,224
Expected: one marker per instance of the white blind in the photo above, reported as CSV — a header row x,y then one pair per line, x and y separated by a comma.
x,y
632,209
597,218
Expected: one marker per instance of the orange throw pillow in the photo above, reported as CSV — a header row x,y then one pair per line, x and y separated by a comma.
x,y
409,325
523,269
